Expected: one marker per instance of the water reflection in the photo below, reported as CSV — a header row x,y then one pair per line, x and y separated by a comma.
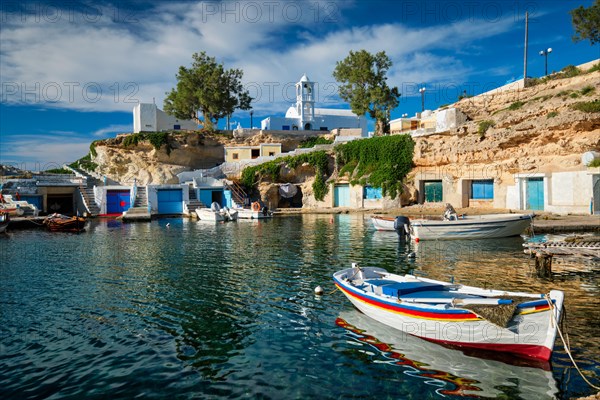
x,y
453,372
228,310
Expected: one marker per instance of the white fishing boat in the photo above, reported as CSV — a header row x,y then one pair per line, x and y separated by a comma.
x,y
523,324
216,214
256,211
471,227
383,223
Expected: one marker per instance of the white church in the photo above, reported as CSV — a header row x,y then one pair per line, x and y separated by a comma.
x,y
304,116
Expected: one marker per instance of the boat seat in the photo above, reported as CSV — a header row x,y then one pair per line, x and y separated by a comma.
x,y
397,289
441,294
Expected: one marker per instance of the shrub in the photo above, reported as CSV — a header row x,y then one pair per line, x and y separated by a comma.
x,y
574,95
312,142
569,71
593,69
516,105
587,106
587,90
85,163
484,126
594,163
552,114
62,171
156,139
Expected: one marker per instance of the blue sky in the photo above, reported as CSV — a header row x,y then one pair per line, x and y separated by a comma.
x,y
71,74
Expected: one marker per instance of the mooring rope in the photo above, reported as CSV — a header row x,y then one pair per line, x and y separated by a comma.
x,y
565,343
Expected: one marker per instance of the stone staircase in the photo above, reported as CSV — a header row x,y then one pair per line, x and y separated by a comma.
x,y
194,203
141,200
139,210
87,191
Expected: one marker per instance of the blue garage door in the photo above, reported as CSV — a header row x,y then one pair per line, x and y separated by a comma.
x,y
35,200
170,201
117,201
535,194
341,196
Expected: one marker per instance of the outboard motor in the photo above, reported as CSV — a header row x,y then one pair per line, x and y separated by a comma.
x,y
402,227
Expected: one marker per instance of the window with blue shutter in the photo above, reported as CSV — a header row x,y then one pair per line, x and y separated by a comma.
x,y
482,189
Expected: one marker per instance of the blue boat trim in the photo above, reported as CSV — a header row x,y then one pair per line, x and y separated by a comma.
x,y
360,293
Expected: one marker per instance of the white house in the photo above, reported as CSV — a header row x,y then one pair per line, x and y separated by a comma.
x,y
147,117
304,116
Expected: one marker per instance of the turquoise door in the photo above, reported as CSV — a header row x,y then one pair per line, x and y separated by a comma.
x,y
433,191
227,198
535,194
596,192
170,201
341,196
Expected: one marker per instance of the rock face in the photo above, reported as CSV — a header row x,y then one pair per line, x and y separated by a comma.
x,y
533,130
188,151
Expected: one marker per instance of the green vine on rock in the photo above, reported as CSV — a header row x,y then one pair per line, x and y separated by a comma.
x,y
319,160
379,161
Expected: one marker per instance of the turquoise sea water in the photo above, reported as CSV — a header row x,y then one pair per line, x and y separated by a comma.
x,y
198,310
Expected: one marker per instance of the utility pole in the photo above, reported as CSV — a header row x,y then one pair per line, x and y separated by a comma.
x,y
526,43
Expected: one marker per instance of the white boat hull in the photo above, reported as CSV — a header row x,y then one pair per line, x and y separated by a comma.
x,y
530,333
245,213
206,214
383,223
471,227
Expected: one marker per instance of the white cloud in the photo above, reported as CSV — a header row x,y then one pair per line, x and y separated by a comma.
x,y
41,152
112,129
109,65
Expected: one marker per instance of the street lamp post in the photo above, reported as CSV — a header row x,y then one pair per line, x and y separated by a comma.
x,y
422,91
545,54
251,114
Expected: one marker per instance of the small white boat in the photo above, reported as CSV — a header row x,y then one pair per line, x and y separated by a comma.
x,y
523,324
400,224
256,211
382,223
216,213
471,227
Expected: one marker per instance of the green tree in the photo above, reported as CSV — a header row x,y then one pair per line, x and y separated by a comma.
x,y
363,84
586,22
209,89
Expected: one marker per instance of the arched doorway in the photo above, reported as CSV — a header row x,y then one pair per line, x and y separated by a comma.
x,y
307,126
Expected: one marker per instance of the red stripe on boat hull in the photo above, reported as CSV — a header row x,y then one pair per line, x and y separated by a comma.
x,y
522,350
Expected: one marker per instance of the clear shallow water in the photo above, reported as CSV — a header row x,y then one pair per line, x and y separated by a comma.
x,y
227,311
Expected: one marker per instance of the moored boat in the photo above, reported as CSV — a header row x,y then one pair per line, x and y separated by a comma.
x,y
485,226
523,324
62,223
382,223
216,214
256,211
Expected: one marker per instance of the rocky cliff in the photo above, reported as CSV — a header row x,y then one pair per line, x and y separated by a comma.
x,y
184,151
532,129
